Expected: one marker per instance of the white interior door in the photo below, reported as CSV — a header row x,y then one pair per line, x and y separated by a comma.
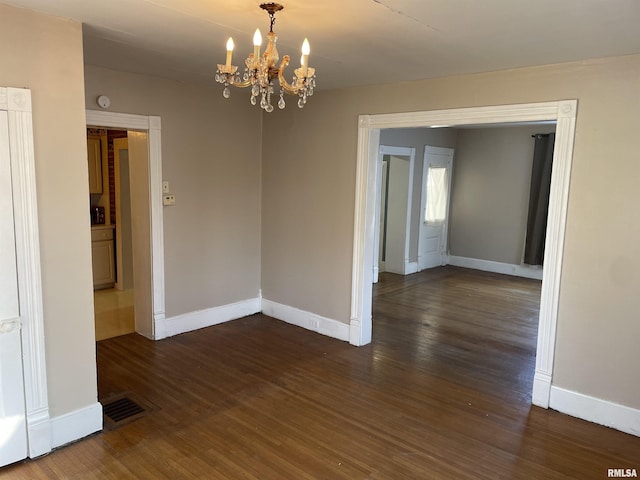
x,y
13,429
395,236
434,220
141,232
124,240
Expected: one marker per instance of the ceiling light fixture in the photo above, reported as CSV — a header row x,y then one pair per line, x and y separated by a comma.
x,y
261,69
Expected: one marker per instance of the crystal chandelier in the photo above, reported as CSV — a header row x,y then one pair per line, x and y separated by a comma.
x,y
261,69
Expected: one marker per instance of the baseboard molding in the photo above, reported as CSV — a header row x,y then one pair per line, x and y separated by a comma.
x,y
602,412
308,320
187,322
75,425
410,267
496,267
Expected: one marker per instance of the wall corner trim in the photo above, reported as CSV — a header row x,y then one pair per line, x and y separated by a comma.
x,y
75,425
596,410
310,321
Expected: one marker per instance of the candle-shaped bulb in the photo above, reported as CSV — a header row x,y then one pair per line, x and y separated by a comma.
x,y
257,38
304,61
229,51
257,41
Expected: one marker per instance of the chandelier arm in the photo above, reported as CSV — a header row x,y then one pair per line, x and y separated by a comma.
x,y
286,86
243,83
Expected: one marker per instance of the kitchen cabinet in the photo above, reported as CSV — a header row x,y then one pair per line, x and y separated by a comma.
x,y
102,255
94,157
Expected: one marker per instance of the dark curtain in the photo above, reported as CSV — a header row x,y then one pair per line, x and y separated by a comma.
x,y
539,198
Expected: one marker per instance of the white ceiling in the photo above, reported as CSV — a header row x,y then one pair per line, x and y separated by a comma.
x,y
353,42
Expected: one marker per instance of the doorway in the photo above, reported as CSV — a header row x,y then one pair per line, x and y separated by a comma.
x,y
564,113
394,194
436,196
111,246
144,143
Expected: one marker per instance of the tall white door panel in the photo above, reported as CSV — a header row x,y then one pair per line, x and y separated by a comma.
x,y
13,430
434,220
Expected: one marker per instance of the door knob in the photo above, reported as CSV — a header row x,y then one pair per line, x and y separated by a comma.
x,y
7,326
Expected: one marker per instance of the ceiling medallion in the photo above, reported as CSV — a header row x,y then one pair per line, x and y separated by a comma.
x,y
261,69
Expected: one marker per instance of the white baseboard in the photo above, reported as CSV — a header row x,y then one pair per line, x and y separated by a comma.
x,y
410,267
308,320
187,322
496,267
595,410
75,425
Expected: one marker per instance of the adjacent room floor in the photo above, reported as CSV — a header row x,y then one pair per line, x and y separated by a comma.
x,y
442,392
113,313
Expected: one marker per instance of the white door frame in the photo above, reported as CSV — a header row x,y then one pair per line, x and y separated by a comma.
x,y
402,152
423,200
564,113
17,103
152,125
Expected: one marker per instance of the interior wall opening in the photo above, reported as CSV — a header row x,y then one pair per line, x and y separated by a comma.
x,y
142,152
111,237
369,134
494,161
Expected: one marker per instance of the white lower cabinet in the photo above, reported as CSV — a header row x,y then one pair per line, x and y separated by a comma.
x,y
103,259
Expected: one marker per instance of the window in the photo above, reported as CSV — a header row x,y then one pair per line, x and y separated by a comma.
x,y
436,206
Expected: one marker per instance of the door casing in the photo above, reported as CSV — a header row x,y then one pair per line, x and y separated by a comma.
x,y
410,153
17,103
564,114
149,327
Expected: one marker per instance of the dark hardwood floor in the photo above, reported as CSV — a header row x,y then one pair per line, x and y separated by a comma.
x,y
442,392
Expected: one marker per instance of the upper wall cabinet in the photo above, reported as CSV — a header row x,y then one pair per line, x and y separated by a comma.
x,y
94,156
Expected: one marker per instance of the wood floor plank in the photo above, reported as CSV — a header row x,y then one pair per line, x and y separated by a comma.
x,y
443,391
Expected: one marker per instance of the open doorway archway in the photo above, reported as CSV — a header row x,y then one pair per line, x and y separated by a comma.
x,y
564,113
152,126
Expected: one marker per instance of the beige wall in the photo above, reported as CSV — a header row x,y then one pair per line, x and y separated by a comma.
x,y
211,158
490,192
309,159
418,138
44,54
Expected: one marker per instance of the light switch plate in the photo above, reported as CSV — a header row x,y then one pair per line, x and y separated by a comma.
x,y
165,186
168,199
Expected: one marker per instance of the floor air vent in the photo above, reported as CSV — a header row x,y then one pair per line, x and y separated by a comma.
x,y
120,410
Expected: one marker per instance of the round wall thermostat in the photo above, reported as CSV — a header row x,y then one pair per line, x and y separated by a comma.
x,y
103,101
